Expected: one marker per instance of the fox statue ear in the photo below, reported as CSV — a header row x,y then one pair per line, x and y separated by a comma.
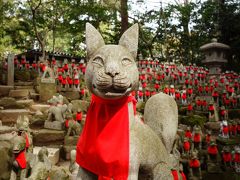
x,y
94,40
129,40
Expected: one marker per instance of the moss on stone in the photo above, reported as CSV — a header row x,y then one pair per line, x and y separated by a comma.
x,y
193,120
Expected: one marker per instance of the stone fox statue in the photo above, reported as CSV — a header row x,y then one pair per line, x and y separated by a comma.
x,y
114,144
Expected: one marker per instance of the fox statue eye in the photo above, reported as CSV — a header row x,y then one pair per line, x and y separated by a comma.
x,y
126,62
98,61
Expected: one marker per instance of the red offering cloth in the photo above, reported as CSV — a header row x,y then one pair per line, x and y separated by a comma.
x,y
66,123
188,134
79,116
186,146
190,107
227,157
103,147
237,157
147,93
197,138
184,96
177,95
140,93
211,108
21,159
225,129
183,175
76,81
144,85
212,150
27,141
194,163
175,174
156,86
208,138
64,81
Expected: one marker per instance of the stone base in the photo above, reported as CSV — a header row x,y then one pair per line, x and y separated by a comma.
x,y
71,140
73,95
26,103
46,91
213,168
4,90
20,93
40,107
7,129
9,116
53,154
45,137
67,151
55,125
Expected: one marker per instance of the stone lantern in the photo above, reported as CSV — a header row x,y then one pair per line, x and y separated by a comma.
x,y
215,56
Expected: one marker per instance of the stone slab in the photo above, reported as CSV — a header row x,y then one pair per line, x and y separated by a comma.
x,y
9,116
55,125
23,87
4,90
26,102
20,93
67,151
6,129
73,95
46,91
40,107
53,154
45,137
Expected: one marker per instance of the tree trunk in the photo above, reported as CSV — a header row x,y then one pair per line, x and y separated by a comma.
x,y
124,16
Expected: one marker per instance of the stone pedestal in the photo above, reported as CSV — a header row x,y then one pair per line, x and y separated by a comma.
x,y
9,116
53,154
45,137
47,89
20,93
40,107
55,125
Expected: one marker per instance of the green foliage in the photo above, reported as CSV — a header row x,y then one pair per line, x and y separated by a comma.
x,y
193,120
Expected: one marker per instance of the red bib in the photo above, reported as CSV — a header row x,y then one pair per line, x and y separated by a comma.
x,y
21,159
175,174
212,150
103,147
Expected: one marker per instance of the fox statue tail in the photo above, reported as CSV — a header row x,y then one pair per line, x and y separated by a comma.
x,y
161,115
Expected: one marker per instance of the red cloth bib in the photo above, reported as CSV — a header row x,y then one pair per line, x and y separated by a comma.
x,y
194,163
175,174
183,176
103,147
21,159
186,146
197,138
212,150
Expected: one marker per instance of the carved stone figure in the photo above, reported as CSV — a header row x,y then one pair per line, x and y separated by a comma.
x,y
111,75
19,166
42,167
23,130
56,113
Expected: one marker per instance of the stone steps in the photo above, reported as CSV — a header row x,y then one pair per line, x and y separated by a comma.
x,y
20,93
9,116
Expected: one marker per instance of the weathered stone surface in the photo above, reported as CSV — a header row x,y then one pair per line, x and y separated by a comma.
x,y
26,102
53,154
71,140
40,107
38,120
6,129
10,70
9,116
5,160
29,87
46,137
73,95
56,125
4,90
83,105
10,103
67,151
215,126
46,91
20,93
23,83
